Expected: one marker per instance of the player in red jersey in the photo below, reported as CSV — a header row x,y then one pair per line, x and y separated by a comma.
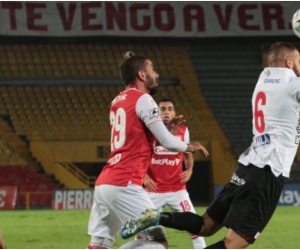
x,y
165,180
135,122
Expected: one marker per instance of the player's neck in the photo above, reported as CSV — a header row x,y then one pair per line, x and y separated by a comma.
x,y
137,86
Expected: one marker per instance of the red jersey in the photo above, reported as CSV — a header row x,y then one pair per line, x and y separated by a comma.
x,y
166,166
131,141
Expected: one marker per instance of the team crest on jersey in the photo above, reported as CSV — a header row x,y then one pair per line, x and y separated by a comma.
x,y
152,102
160,150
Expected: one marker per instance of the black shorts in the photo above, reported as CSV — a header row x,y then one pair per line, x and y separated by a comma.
x,y
248,201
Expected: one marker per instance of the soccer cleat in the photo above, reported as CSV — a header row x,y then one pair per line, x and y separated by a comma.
x,y
137,224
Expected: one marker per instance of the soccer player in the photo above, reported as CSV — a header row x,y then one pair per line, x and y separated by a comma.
x,y
135,122
248,201
165,180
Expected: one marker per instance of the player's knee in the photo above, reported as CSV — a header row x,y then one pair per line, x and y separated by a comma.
x,y
210,227
100,243
232,242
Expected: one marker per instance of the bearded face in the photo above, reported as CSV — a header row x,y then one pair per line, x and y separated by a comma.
x,y
151,84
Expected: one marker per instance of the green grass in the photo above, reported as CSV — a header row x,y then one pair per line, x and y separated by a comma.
x,y
49,229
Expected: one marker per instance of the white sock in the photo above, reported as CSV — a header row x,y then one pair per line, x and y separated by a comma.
x,y
198,242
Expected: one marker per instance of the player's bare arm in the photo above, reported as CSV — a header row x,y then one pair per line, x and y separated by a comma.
x,y
174,124
196,146
189,164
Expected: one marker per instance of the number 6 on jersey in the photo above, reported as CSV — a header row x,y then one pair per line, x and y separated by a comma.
x,y
259,118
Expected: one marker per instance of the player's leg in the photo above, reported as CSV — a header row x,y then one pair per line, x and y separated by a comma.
x,y
103,223
256,197
205,225
132,202
159,202
180,202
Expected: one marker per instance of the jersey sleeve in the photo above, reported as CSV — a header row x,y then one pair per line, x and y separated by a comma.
x,y
147,110
186,137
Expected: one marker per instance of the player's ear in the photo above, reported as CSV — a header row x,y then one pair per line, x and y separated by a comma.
x,y
141,75
289,63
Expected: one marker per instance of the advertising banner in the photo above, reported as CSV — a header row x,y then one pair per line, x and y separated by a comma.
x,y
72,199
290,195
147,19
8,196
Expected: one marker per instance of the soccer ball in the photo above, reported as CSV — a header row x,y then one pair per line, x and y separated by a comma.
x,y
296,23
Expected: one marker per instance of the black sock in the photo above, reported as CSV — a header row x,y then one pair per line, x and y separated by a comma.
x,y
182,221
218,245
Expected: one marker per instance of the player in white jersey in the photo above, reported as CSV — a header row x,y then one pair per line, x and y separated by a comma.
x,y
248,201
134,122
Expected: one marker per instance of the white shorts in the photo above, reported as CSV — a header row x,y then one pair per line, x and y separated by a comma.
x,y
177,201
113,205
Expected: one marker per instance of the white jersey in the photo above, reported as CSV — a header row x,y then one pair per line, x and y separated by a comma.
x,y
276,129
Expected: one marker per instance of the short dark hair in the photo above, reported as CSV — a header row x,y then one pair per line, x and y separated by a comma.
x,y
130,65
166,100
278,51
279,45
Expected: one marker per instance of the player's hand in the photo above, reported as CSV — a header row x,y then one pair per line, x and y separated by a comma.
x,y
186,176
174,124
194,146
149,183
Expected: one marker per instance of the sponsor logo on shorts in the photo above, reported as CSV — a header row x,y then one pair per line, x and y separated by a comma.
x,y
237,180
165,161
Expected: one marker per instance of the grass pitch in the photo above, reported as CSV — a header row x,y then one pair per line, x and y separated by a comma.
x,y
47,229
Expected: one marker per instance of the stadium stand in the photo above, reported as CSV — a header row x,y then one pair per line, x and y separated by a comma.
x,y
67,112
28,182
227,79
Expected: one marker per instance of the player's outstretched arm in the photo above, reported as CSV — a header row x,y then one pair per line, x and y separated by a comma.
x,y
195,146
174,124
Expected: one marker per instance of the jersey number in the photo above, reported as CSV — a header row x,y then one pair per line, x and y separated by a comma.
x,y
185,205
118,128
259,118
